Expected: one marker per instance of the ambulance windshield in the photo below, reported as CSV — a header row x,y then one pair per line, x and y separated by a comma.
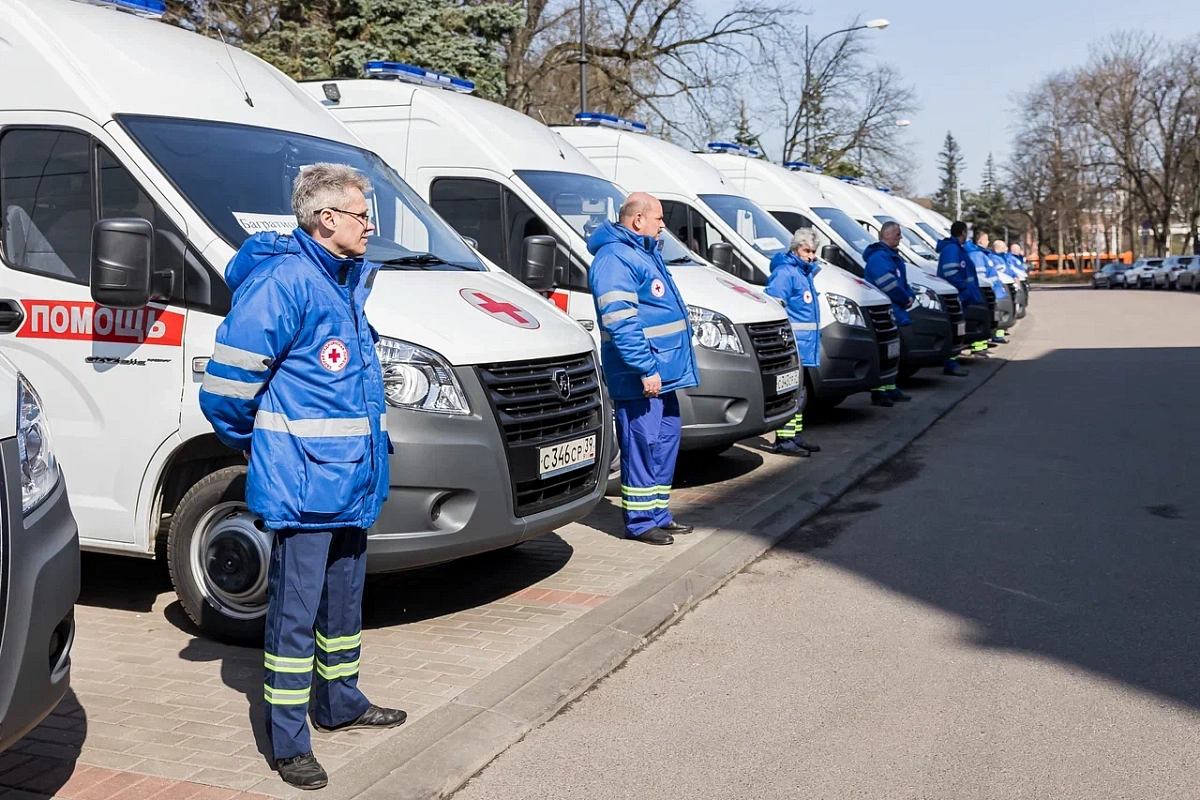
x,y
914,242
851,232
932,231
765,233
239,178
586,202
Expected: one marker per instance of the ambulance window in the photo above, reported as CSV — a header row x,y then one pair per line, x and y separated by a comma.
x,y
472,207
46,202
794,222
520,221
688,226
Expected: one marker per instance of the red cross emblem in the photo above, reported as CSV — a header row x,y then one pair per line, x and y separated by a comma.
x,y
737,287
500,309
334,356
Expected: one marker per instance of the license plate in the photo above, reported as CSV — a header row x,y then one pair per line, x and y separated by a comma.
x,y
559,458
962,329
786,381
893,350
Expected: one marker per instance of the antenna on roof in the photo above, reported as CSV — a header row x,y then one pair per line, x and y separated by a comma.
x,y
240,82
553,135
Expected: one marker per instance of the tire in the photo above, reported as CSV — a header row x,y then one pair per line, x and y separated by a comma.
x,y
214,537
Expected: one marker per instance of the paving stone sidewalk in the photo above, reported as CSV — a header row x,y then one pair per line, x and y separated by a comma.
x,y
157,711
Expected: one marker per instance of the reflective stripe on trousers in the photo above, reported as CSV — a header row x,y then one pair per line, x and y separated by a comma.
x,y
649,432
793,428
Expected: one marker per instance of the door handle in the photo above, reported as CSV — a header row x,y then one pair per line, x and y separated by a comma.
x,y
11,316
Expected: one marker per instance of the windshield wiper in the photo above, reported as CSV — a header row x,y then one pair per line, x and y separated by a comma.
x,y
683,260
419,261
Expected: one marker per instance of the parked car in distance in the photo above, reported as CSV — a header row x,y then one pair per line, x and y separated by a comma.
x,y
39,557
1140,274
1189,276
1110,276
1175,267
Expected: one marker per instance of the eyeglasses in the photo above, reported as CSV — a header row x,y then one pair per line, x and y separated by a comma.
x,y
365,219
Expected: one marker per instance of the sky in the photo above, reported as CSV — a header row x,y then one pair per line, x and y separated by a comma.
x,y
967,60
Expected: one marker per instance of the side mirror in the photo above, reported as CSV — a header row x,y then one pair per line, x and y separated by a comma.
x,y
122,255
537,262
831,253
721,255
472,243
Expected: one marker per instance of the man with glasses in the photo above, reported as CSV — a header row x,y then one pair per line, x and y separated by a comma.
x,y
294,383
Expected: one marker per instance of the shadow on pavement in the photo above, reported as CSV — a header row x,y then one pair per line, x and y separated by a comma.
x,y
121,582
1062,523
43,760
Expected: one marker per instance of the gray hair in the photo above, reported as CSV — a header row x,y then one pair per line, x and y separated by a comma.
x,y
887,226
805,237
323,185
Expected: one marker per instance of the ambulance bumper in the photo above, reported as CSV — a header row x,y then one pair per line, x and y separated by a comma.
x,y
452,490
979,323
1006,311
41,559
732,401
849,362
928,341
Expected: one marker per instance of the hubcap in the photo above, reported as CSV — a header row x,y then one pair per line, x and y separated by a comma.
x,y
230,553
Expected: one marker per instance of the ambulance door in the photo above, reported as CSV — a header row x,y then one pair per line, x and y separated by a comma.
x,y
111,379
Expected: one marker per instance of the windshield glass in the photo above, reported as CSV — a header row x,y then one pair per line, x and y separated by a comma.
x,y
752,223
239,178
914,242
933,232
585,202
854,234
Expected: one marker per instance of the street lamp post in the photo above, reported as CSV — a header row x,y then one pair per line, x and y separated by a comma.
x,y
583,59
876,24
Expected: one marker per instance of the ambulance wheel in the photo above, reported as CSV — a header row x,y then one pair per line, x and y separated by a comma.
x,y
218,553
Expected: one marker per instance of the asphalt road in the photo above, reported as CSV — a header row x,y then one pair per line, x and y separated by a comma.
x,y
1007,610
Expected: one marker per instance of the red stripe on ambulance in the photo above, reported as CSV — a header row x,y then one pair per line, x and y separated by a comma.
x,y
85,321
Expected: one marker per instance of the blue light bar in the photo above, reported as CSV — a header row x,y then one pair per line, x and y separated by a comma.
x,y
854,182
884,189
411,74
143,8
802,166
732,148
610,121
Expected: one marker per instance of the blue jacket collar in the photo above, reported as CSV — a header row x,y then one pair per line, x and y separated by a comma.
x,y
787,258
610,233
336,267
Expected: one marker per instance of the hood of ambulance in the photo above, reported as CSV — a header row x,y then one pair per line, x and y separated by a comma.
x,y
708,287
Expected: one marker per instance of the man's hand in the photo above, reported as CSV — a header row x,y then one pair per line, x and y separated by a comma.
x,y
652,385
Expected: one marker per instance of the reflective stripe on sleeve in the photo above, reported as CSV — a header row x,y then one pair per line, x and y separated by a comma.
x,y
312,428
886,282
617,316
615,297
241,359
655,331
225,387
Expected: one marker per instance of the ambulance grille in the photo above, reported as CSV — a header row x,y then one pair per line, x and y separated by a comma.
x,y
533,412
885,331
989,297
775,347
954,310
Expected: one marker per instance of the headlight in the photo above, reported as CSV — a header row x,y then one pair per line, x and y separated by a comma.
x,y
39,467
713,331
926,297
419,379
845,310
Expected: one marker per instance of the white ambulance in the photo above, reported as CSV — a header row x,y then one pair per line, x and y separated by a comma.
x,y
938,328
135,157
504,179
860,343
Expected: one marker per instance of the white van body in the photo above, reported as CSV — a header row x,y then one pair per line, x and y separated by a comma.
x,y
854,358
122,385
495,174
938,326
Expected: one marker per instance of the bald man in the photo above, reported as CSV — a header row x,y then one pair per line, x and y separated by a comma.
x,y
646,350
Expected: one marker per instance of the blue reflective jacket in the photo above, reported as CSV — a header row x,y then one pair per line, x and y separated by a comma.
x,y
885,268
644,326
792,282
985,262
294,379
1016,266
954,266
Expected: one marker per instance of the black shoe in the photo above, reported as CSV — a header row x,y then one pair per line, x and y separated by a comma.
x,y
897,396
788,447
810,448
676,529
881,399
653,536
956,371
373,717
303,772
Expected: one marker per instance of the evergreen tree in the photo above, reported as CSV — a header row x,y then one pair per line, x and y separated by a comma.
x,y
744,134
988,207
950,165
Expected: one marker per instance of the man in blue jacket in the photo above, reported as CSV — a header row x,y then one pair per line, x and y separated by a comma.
x,y
955,266
646,351
987,268
791,281
294,383
885,268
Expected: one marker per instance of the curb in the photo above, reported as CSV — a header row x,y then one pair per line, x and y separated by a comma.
x,y
447,747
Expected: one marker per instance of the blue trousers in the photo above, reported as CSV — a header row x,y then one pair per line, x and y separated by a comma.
x,y
649,431
314,623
